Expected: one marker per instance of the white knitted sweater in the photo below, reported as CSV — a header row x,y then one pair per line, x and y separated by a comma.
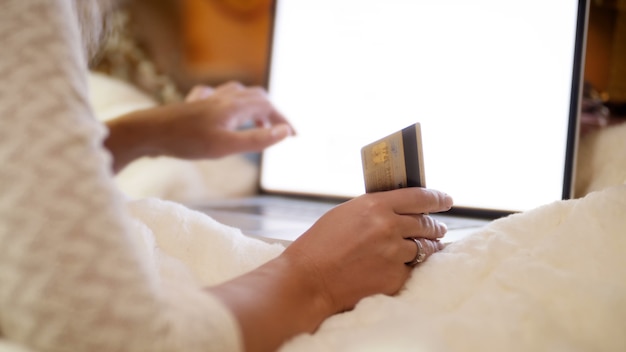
x,y
72,277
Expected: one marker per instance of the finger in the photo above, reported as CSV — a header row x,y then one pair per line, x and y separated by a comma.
x,y
257,139
230,86
410,225
430,246
275,116
421,226
198,93
416,200
414,252
264,113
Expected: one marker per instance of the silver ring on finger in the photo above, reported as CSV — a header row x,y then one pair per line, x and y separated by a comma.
x,y
420,256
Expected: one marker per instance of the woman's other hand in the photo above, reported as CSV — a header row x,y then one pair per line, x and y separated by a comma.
x,y
229,119
211,123
357,249
360,248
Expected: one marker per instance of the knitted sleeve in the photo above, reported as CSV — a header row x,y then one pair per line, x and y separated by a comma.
x,y
71,278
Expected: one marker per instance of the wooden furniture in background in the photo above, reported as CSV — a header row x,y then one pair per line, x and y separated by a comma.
x,y
213,41
227,38
205,41
605,66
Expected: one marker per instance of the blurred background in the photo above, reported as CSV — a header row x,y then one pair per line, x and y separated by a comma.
x,y
164,47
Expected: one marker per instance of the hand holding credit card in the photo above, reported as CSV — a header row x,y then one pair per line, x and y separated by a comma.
x,y
394,161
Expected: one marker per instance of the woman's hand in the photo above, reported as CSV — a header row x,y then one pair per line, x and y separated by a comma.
x,y
357,249
212,123
360,247
213,128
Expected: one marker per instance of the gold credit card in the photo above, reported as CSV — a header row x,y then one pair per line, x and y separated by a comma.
x,y
395,161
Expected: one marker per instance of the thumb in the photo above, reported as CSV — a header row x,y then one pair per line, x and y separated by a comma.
x,y
257,139
198,93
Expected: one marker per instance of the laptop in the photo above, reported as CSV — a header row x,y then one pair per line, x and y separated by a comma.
x,y
495,86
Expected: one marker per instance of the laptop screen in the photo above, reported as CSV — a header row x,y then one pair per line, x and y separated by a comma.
x,y
494,85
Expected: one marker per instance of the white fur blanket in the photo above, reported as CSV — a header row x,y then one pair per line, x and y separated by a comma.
x,y
553,278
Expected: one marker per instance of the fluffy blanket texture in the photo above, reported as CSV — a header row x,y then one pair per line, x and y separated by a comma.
x,y
548,279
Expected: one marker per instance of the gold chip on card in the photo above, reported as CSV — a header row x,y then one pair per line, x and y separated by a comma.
x,y
394,161
380,153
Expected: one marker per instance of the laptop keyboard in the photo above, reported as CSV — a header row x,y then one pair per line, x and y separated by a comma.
x,y
291,209
283,209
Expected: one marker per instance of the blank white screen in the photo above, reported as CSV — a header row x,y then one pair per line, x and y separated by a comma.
x,y
489,81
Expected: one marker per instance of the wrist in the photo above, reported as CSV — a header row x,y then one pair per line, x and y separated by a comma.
x,y
130,137
311,288
286,289
312,282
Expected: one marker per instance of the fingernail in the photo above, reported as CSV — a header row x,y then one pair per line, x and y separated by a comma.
x,y
281,131
444,228
205,92
199,93
449,201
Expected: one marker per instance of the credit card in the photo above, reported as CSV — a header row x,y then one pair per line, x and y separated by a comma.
x,y
394,161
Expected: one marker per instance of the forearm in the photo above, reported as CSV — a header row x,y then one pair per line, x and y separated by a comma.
x,y
213,127
276,302
131,137
168,130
